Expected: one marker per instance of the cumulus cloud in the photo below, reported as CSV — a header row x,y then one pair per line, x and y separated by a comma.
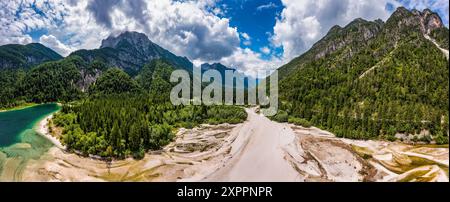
x,y
56,45
103,10
302,23
16,25
187,28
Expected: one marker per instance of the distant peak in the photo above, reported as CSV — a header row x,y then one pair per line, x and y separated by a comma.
x,y
134,38
379,21
216,66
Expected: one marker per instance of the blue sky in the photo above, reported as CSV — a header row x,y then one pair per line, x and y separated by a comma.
x,y
255,18
244,34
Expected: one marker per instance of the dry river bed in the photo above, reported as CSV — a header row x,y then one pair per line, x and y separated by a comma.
x,y
256,150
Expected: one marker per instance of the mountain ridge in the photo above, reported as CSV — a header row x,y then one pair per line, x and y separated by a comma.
x,y
371,80
26,56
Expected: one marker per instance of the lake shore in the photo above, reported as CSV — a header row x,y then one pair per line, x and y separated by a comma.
x,y
42,129
20,107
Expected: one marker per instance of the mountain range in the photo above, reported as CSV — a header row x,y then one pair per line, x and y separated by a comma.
x,y
366,79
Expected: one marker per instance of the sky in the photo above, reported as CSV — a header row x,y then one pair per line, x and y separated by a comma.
x,y
243,34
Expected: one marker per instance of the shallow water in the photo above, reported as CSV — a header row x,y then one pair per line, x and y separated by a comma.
x,y
19,142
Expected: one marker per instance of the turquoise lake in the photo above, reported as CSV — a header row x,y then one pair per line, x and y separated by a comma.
x,y
14,123
19,142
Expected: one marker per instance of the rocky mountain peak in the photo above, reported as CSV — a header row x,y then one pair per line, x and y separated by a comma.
x,y
426,21
430,21
135,39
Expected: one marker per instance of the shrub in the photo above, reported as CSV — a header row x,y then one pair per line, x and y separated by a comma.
x,y
299,121
281,117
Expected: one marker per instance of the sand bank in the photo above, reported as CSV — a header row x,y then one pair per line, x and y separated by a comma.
x,y
42,129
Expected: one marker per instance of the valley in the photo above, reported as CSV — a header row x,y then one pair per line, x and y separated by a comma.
x,y
367,102
247,152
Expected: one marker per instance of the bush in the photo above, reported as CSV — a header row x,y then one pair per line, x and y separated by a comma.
x,y
391,138
426,138
225,114
441,139
300,122
140,154
281,117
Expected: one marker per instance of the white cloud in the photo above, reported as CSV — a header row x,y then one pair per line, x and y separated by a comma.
x,y
251,61
245,36
266,6
247,39
14,26
187,28
265,50
218,11
302,23
247,43
53,43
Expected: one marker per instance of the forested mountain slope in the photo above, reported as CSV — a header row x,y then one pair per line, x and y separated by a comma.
x,y
13,56
373,79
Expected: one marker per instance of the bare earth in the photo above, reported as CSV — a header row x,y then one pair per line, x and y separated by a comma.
x,y
259,153
256,150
